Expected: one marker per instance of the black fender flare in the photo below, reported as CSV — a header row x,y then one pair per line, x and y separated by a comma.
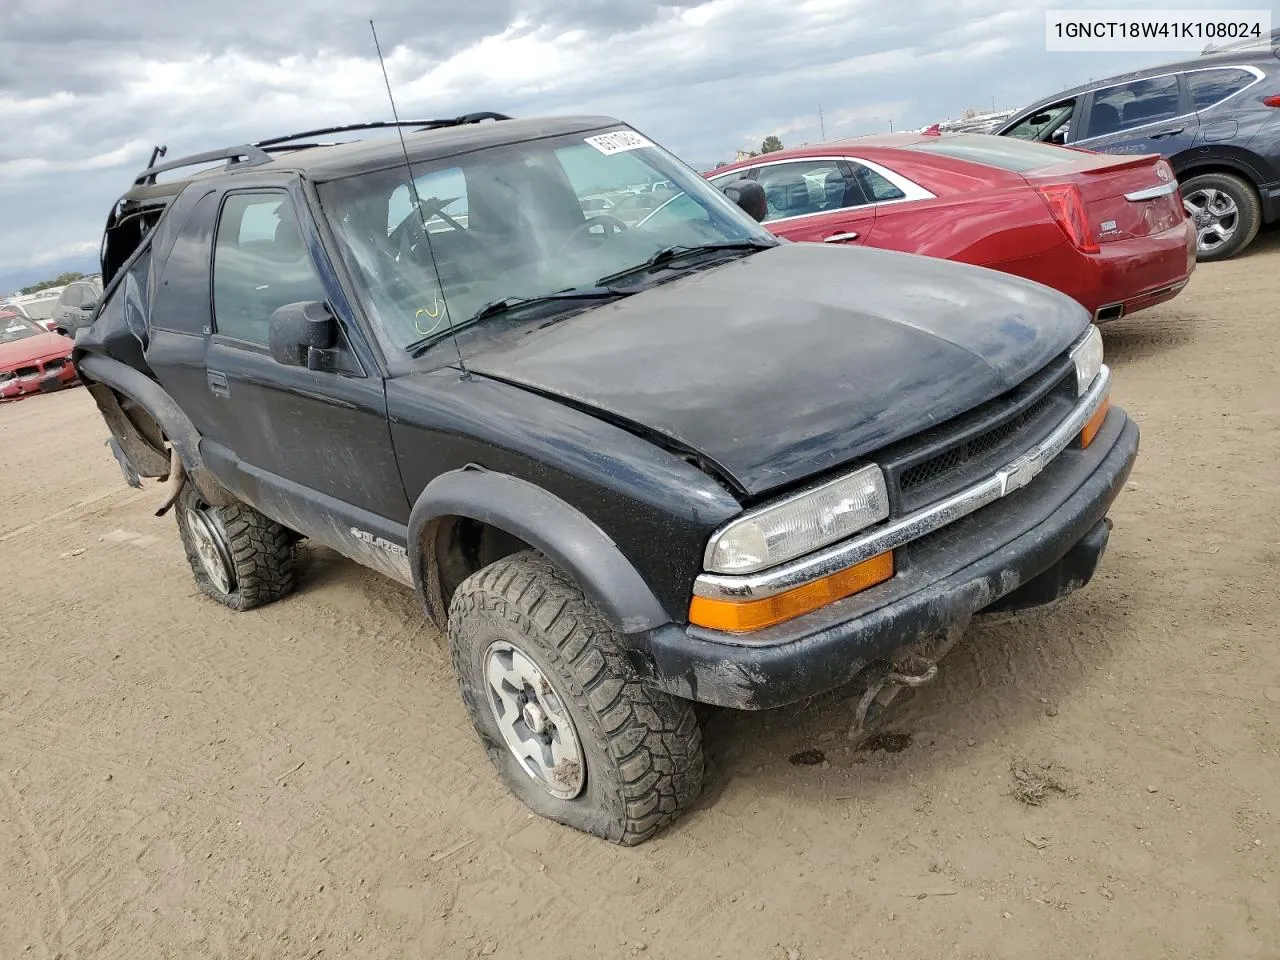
x,y
95,368
550,525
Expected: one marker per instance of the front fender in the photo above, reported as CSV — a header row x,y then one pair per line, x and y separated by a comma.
x,y
178,429
548,524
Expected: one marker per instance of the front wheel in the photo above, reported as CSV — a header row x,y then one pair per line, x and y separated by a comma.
x,y
571,731
1226,212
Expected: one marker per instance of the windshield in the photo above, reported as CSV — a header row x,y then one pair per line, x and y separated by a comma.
x,y
524,220
13,327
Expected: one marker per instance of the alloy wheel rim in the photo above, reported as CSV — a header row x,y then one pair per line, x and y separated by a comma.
x,y
533,721
211,548
1215,215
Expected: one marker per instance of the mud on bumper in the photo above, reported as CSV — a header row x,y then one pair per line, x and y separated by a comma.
x,y
1030,548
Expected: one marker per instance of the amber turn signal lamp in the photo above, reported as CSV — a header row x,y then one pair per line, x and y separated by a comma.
x,y
741,616
1095,423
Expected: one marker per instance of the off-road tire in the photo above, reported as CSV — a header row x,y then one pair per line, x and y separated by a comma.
x,y
261,552
642,747
1247,203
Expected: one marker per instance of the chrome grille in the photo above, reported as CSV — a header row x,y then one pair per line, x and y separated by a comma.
x,y
946,458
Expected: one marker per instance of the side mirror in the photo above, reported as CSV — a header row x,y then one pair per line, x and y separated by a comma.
x,y
300,333
749,195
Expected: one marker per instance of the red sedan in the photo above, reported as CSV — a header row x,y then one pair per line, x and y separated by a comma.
x,y
32,359
1109,231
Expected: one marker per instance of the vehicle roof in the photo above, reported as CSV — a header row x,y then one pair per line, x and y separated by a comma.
x,y
342,159
865,146
1205,61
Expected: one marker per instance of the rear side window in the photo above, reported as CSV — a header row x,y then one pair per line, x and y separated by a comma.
x,y
1135,104
1209,87
1015,155
876,188
73,296
260,263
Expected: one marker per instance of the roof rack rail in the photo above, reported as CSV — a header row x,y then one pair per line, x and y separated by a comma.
x,y
382,125
247,154
251,154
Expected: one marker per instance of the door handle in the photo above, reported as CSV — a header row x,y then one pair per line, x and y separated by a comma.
x,y
218,383
1166,133
841,237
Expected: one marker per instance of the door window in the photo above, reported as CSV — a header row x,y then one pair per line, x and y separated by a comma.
x,y
1209,87
1136,104
1049,124
260,263
801,187
73,296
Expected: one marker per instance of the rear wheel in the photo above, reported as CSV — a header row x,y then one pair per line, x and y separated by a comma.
x,y
1226,211
571,731
239,557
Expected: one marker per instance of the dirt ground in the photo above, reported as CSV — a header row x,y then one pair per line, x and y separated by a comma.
x,y
301,782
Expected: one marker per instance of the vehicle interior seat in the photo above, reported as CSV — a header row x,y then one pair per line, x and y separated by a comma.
x,y
842,192
1104,119
1146,109
788,196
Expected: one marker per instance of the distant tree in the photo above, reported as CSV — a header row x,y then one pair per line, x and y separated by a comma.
x,y
771,144
61,280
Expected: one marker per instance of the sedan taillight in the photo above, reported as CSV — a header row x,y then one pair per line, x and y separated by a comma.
x,y
1272,101
1066,204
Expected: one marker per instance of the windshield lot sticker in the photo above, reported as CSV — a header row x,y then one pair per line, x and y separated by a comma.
x,y
618,142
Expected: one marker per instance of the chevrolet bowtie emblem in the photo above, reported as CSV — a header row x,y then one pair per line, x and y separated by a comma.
x,y
1017,475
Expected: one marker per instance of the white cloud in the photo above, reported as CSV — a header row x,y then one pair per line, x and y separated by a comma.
x,y
704,79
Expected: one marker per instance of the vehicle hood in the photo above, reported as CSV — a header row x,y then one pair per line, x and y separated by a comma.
x,y
797,359
33,348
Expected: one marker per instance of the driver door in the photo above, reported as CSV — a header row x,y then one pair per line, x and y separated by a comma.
x,y
311,448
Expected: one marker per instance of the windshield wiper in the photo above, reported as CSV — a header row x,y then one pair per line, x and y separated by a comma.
x,y
682,250
511,304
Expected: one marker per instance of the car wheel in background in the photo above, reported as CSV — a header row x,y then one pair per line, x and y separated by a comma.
x,y
1226,211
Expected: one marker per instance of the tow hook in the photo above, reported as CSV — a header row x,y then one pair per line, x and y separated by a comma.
x,y
912,666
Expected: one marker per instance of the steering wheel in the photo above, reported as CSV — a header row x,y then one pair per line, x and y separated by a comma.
x,y
611,225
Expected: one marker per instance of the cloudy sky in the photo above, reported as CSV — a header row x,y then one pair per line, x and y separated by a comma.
x,y
88,87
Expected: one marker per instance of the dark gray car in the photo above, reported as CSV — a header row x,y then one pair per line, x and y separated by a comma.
x,y
76,304
1215,118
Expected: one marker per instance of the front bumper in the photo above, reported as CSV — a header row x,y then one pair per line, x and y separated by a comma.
x,y
1030,547
46,381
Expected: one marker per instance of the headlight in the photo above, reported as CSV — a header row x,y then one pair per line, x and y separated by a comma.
x,y
799,524
1087,356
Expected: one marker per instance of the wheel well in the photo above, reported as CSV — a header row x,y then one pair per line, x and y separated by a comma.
x,y
458,547
1218,167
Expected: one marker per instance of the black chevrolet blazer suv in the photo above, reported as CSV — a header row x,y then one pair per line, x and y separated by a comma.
x,y
626,464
